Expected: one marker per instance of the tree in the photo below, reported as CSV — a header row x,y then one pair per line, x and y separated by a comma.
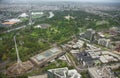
x,y
2,75
4,57
84,45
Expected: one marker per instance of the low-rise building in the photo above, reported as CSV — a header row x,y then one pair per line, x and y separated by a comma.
x,y
11,22
63,73
42,26
37,13
107,56
23,15
39,76
104,72
86,59
47,56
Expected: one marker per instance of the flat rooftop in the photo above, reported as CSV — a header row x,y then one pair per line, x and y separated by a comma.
x,y
95,73
39,76
47,55
101,72
64,73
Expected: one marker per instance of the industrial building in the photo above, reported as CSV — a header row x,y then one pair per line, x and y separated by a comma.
x,y
47,56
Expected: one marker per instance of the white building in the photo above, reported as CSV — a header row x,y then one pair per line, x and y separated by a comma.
x,y
63,73
13,20
23,15
39,76
102,72
51,15
104,42
37,13
108,57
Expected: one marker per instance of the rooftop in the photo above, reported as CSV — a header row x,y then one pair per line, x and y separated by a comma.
x,y
47,55
43,26
101,72
23,15
95,73
65,73
9,23
36,13
13,20
39,76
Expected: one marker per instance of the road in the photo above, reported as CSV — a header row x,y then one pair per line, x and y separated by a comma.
x,y
72,62
15,29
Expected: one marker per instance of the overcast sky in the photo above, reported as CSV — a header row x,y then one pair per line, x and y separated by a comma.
x,y
63,0
85,0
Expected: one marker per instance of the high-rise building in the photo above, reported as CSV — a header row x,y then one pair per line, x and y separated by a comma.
x,y
104,42
89,34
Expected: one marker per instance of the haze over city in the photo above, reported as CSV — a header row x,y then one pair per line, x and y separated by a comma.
x,y
59,0
59,38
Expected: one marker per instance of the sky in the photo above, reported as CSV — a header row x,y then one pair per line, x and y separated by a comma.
x,y
64,0
86,0
83,0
